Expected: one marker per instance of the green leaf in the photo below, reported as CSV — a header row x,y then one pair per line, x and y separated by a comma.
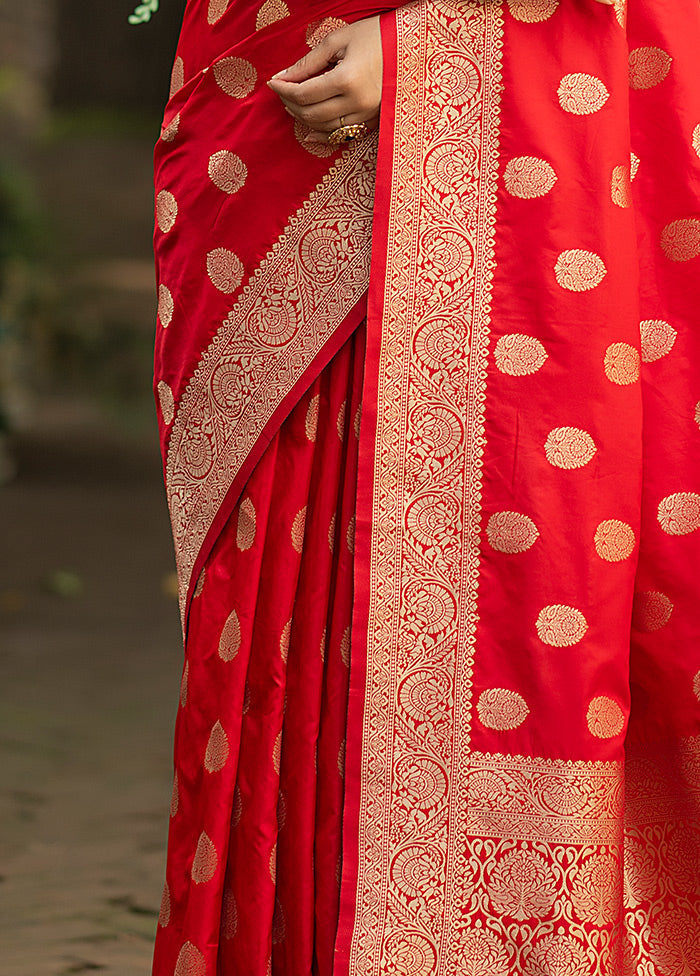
x,y
144,12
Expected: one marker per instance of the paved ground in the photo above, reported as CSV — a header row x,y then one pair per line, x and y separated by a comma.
x,y
89,668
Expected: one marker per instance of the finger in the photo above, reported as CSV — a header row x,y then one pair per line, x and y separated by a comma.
x,y
321,135
316,61
310,92
325,116
608,3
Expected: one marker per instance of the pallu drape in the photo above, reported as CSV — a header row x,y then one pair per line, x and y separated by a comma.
x,y
430,413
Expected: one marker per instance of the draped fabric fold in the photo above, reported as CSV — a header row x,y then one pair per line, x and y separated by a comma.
x,y
441,698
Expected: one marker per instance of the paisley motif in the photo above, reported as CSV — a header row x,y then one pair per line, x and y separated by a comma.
x,y
205,861
217,752
270,12
648,66
532,11
657,339
235,76
190,961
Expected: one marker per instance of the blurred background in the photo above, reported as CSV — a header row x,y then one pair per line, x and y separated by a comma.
x,y
90,649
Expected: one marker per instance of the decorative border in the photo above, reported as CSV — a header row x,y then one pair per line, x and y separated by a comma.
x,y
296,300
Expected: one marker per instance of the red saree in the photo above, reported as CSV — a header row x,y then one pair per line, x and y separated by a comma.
x,y
441,697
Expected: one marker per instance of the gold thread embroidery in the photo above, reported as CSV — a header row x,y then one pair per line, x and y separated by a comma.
x,y
277,753
229,915
569,448
696,139
164,913
621,186
582,94
298,527
511,532
561,626
235,76
621,363
320,29
170,130
679,514
657,338
167,402
217,752
519,355
166,211
184,682
264,345
225,270
312,415
227,171
190,962
166,306
532,11
177,78
174,797
528,177
605,718
579,270
614,540
247,520
651,610
271,12
285,638
501,709
216,10
206,860
634,165
648,66
680,240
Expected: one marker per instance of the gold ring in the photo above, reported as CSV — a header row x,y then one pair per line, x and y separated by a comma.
x,y
342,122
346,133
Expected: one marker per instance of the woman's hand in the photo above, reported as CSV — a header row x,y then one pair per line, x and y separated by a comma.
x,y
340,77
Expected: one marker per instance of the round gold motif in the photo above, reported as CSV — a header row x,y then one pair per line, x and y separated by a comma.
x,y
167,402
614,540
229,915
205,861
227,171
340,420
521,886
230,639
321,149
696,139
350,535
331,533
697,413
569,448
560,954
174,798
277,753
532,11
657,339
501,709
582,94
164,913
340,762
621,363
679,514
297,531
217,9
184,684
190,962
621,186
511,532
169,131
216,755
528,177
272,864
680,240
245,532
270,12
634,165
345,647
235,76
651,610
279,924
579,270
561,626
225,270
312,415
696,685
519,355
166,211
197,452
285,638
320,29
166,306
409,954
621,12
648,66
605,718
177,77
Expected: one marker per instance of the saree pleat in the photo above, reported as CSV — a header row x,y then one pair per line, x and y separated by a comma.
x,y
269,629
